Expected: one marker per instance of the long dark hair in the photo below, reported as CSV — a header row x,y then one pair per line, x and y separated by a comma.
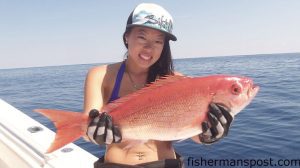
x,y
163,66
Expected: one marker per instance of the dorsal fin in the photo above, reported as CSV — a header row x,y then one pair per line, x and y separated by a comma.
x,y
162,81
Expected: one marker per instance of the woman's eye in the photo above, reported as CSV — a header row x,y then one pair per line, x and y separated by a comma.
x,y
141,37
159,42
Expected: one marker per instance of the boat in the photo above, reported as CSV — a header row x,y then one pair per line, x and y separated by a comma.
x,y
24,141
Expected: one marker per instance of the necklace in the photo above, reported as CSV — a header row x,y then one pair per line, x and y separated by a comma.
x,y
134,85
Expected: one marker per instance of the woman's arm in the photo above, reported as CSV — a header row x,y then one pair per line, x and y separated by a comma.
x,y
93,89
100,130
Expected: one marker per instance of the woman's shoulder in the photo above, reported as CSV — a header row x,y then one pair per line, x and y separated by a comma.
x,y
97,69
101,70
178,73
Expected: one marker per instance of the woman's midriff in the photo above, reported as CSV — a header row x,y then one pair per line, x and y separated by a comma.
x,y
140,153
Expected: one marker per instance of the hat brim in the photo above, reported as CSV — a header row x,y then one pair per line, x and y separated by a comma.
x,y
169,35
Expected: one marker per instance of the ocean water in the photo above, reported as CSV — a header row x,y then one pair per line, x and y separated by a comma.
x,y
268,129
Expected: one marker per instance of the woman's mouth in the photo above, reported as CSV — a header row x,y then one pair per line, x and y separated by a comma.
x,y
145,57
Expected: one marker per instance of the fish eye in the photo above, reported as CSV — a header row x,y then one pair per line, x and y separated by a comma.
x,y
236,89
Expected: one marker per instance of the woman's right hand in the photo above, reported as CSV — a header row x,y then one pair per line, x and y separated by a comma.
x,y
101,129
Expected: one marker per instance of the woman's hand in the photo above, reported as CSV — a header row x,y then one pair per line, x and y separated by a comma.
x,y
101,129
220,120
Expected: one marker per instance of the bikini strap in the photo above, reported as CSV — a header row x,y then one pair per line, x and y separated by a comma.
x,y
116,89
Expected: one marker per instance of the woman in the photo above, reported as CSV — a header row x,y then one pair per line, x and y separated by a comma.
x,y
148,31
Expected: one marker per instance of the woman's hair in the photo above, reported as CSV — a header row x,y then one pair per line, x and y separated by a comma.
x,y
163,66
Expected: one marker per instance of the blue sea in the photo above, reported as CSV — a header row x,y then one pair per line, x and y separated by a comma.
x,y
268,129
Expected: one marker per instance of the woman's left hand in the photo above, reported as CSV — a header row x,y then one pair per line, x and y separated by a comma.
x,y
218,125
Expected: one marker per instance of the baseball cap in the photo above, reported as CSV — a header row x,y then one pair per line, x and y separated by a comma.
x,y
152,16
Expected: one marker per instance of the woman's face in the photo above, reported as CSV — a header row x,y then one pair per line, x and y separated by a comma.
x,y
144,45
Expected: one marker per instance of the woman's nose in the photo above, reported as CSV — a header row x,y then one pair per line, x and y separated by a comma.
x,y
149,45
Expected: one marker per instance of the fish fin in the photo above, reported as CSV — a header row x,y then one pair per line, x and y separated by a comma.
x,y
165,80
162,81
69,126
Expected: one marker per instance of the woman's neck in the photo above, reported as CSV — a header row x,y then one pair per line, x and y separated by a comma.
x,y
137,76
135,70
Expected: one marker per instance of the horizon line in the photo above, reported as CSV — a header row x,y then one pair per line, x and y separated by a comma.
x,y
217,56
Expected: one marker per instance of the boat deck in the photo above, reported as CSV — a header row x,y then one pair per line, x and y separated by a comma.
x,y
23,142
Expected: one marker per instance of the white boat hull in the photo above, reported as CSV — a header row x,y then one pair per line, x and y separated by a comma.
x,y
23,142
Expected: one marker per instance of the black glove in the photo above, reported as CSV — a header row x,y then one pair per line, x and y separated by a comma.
x,y
220,120
101,129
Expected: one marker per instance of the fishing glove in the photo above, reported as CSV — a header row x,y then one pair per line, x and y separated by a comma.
x,y
220,120
101,129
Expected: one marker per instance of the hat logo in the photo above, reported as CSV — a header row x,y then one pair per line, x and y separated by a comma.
x,y
165,24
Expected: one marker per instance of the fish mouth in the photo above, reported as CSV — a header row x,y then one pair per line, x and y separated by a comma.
x,y
252,91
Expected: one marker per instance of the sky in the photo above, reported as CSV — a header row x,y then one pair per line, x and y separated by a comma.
x,y
64,32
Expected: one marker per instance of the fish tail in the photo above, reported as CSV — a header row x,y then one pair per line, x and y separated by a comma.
x,y
69,126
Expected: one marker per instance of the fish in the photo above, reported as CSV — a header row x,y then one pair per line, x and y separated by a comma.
x,y
171,108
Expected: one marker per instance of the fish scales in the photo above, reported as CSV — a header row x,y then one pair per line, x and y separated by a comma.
x,y
168,109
